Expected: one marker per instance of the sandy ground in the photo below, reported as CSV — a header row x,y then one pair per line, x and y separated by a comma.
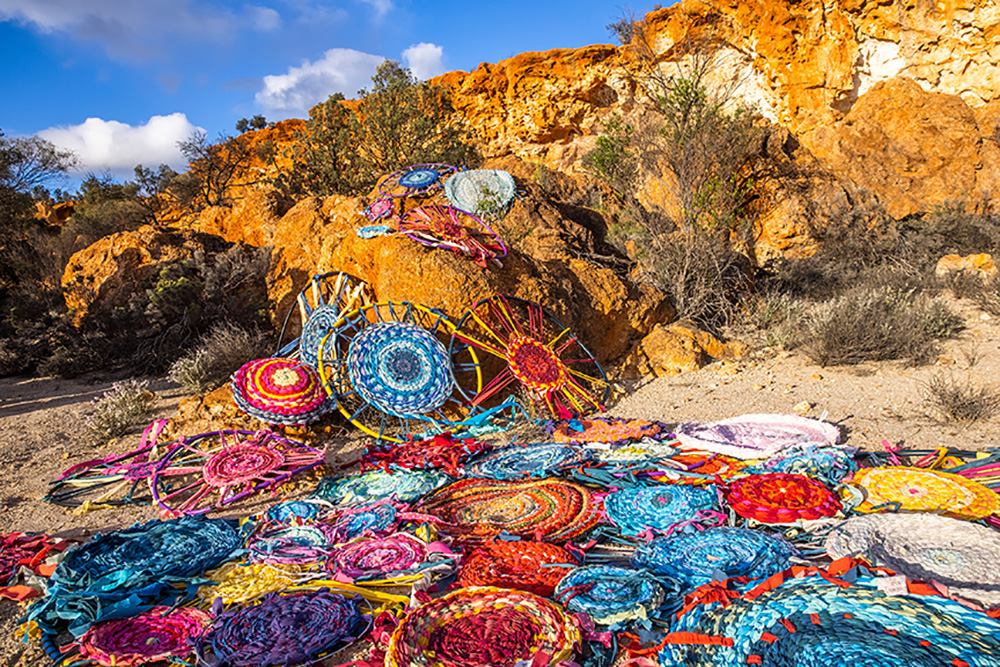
x,y
42,425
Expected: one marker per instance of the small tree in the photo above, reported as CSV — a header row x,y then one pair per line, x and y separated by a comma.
x,y
218,170
104,207
27,165
258,122
328,161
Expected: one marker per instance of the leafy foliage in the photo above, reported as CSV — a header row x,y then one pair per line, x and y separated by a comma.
x,y
27,165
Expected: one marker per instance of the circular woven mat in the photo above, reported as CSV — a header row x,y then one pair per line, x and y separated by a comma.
x,y
829,465
417,179
920,490
757,436
284,630
158,634
346,523
520,461
779,498
403,485
607,430
314,334
613,595
378,557
553,510
441,451
961,556
290,544
480,191
400,368
810,622
280,391
483,626
697,558
656,508
535,567
698,469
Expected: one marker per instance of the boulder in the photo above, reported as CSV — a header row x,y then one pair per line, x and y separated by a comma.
x,y
677,348
981,265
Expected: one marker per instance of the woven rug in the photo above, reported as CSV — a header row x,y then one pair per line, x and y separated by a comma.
x,y
441,451
812,622
535,567
20,552
615,596
521,461
658,509
240,582
283,630
449,228
829,465
780,498
480,191
374,518
757,436
280,391
918,490
291,544
961,559
607,430
476,509
698,469
403,485
125,572
158,634
695,559
484,626
387,557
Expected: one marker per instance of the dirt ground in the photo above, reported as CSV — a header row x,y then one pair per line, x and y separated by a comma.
x,y
42,428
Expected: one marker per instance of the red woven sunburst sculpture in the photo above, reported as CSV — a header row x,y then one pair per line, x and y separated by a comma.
x,y
781,498
558,372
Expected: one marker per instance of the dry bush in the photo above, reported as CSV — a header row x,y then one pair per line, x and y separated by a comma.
x,y
777,318
219,353
949,400
122,406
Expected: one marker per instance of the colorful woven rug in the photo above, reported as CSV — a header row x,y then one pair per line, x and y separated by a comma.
x,y
280,391
607,430
484,626
829,465
485,192
757,436
695,559
918,490
811,621
389,558
283,630
161,633
20,552
403,485
416,180
240,582
535,567
615,596
441,451
698,469
476,509
780,498
125,572
291,544
521,461
649,452
449,228
374,518
644,510
960,559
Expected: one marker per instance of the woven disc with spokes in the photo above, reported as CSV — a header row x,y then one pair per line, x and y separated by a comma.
x,y
449,228
417,179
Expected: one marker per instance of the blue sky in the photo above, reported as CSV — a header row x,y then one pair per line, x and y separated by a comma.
x,y
120,81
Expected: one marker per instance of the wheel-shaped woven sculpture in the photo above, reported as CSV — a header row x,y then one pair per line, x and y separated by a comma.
x,y
757,436
611,595
158,634
283,630
449,228
780,498
210,470
485,192
393,375
483,626
280,391
813,622
919,490
695,559
327,296
417,180
558,372
659,508
535,567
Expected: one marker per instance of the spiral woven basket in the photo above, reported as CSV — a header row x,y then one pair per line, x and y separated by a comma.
x,y
483,626
403,485
829,465
615,596
607,430
283,630
779,498
812,622
757,436
158,634
657,508
551,509
280,391
535,567
520,461
960,558
695,559
920,490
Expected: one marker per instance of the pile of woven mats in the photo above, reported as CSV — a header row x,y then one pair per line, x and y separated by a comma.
x,y
759,539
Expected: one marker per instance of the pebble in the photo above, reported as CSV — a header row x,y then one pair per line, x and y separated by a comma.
x,y
803,407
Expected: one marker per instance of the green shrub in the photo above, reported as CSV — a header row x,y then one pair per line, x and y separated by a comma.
x,y
120,408
219,353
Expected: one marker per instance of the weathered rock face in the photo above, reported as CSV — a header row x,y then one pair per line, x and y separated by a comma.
x,y
105,274
981,265
674,349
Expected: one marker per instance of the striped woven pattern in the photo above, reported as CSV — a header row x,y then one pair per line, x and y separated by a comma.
x,y
656,508
519,461
483,626
919,490
611,595
280,391
378,557
535,567
829,465
315,331
551,509
778,498
158,634
403,485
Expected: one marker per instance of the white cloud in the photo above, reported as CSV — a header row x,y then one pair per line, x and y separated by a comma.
x,y
424,60
118,147
381,7
264,18
339,71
